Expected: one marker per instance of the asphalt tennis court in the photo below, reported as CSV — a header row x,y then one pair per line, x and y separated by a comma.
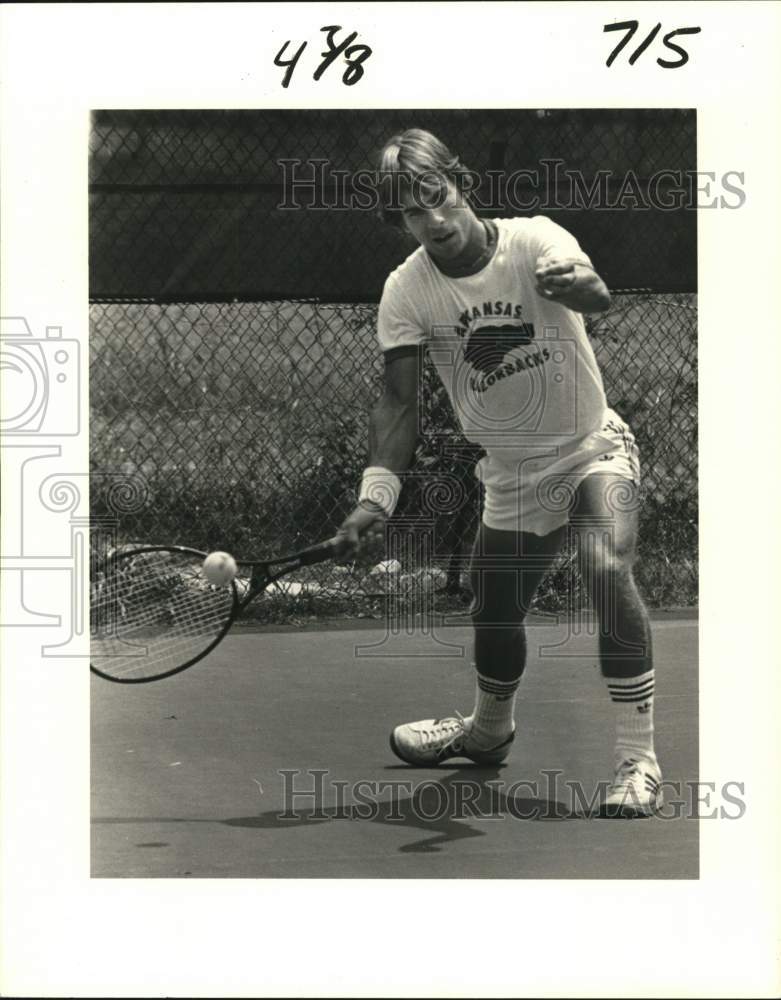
x,y
270,759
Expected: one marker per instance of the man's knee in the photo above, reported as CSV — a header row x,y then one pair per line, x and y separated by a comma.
x,y
601,564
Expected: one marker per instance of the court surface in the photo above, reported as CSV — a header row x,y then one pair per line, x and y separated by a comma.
x,y
270,759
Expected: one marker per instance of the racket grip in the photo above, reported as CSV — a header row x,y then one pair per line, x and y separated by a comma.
x,y
318,553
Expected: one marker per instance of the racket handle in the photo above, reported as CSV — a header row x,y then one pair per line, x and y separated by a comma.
x,y
318,553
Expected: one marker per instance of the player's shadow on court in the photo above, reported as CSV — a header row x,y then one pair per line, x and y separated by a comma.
x,y
446,807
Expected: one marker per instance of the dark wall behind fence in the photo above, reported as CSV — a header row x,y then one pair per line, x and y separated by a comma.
x,y
187,204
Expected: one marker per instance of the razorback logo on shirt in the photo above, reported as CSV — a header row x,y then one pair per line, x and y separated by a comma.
x,y
488,346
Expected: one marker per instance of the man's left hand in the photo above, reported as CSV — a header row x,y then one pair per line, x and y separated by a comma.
x,y
571,283
554,275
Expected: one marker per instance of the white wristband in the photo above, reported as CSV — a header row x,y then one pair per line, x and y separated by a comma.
x,y
380,486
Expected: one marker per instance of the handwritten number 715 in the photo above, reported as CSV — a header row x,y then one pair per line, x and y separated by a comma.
x,y
631,27
354,56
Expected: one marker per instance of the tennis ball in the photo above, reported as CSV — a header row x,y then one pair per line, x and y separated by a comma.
x,y
219,568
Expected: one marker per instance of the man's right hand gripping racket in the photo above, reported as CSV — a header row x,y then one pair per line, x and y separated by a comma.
x,y
153,613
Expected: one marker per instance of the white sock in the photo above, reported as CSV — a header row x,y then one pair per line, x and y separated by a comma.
x,y
491,721
633,702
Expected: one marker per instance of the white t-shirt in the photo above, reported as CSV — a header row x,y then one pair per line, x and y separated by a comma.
x,y
518,368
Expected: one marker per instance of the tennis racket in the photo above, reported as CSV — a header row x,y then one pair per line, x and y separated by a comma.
x,y
153,613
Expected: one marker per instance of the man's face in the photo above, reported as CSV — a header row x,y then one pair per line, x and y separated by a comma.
x,y
438,217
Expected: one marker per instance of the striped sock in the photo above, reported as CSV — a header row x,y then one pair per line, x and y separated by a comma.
x,y
491,721
633,701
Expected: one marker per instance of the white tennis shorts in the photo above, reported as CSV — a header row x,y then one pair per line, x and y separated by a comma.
x,y
535,494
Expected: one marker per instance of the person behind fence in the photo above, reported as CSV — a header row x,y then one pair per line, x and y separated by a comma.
x,y
497,304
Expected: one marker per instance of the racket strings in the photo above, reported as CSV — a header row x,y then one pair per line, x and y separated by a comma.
x,y
154,613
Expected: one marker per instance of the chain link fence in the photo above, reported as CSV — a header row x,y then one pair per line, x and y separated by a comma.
x,y
233,350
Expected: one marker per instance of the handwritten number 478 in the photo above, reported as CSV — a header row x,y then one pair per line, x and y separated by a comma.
x,y
354,55
631,27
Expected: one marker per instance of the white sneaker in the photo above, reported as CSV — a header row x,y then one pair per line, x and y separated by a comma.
x,y
432,741
635,790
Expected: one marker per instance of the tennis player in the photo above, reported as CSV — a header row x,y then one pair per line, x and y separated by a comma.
x,y
498,305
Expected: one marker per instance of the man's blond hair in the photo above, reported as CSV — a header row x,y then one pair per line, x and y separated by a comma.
x,y
411,160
